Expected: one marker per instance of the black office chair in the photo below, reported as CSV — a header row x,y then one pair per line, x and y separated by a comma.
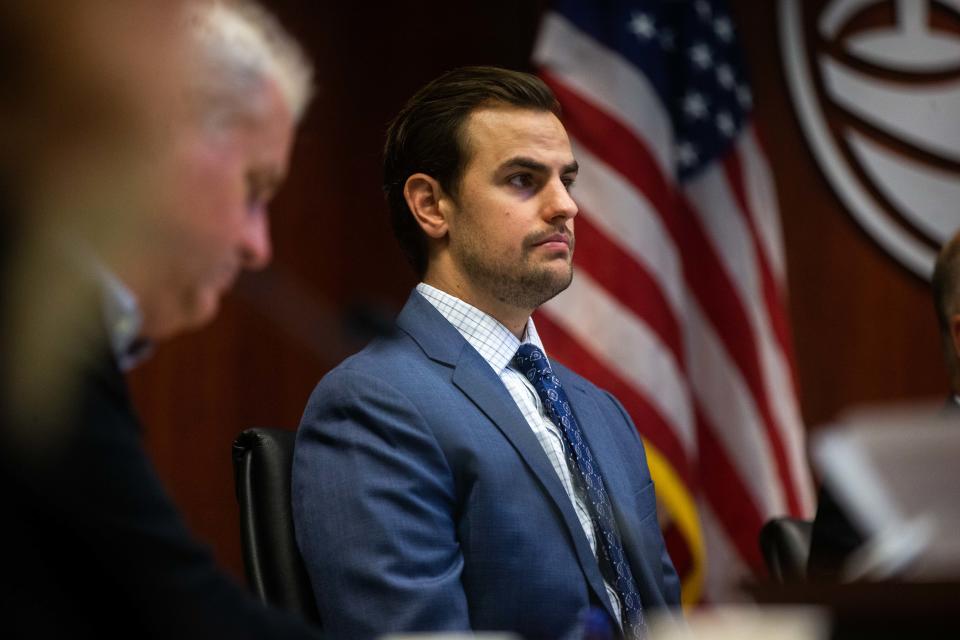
x,y
785,544
262,460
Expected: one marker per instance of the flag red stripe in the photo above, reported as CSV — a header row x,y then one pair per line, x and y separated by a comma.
x,y
704,273
629,282
649,422
727,495
773,299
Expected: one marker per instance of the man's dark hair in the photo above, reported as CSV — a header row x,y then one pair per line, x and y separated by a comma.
x,y
946,299
427,136
946,282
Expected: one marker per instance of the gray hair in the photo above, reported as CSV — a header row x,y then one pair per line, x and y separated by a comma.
x,y
239,47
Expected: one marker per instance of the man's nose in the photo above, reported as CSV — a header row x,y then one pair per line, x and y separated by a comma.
x,y
256,249
560,203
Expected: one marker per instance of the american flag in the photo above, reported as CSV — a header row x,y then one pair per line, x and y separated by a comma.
x,y
678,305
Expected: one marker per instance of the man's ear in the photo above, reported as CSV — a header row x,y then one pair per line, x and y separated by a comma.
x,y
425,197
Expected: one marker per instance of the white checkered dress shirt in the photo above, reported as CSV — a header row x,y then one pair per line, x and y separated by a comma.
x,y
497,345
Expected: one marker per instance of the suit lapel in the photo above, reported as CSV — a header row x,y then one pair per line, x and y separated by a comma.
x,y
476,380
619,485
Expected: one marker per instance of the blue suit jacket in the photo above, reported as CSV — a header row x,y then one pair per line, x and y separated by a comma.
x,y
423,501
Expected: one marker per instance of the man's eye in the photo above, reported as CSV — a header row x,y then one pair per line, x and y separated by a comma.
x,y
568,182
521,180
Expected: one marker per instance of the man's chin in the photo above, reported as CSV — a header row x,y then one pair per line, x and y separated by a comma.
x,y
202,313
537,287
558,277
190,315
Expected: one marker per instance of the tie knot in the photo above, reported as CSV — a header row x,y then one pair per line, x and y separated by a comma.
x,y
531,361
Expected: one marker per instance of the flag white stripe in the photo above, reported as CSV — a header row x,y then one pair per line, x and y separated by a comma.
x,y
622,341
607,81
762,200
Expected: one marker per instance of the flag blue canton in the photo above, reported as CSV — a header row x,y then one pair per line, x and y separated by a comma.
x,y
688,51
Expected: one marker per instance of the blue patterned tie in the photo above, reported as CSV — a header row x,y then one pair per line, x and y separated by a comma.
x,y
531,362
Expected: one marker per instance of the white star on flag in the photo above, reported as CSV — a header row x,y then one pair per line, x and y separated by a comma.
x,y
642,25
687,153
723,28
725,76
695,106
725,123
701,55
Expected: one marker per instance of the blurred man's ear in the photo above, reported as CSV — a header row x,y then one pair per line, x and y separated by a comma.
x,y
428,203
955,336
951,353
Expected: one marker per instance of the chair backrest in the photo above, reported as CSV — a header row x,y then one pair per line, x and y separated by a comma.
x,y
785,544
262,461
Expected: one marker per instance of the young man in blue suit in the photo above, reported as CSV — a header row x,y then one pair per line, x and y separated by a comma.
x,y
450,476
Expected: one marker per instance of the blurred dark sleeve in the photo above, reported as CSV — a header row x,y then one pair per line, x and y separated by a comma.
x,y
94,546
833,539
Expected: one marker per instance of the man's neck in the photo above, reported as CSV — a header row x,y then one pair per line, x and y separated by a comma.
x,y
515,320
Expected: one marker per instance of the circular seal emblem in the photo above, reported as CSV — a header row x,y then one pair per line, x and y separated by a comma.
x,y
876,86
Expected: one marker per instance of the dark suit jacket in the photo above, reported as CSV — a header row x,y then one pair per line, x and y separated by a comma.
x,y
92,545
423,501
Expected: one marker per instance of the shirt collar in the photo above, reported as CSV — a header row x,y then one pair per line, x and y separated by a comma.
x,y
122,318
492,340
121,315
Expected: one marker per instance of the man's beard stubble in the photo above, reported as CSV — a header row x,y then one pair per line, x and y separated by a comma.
x,y
524,287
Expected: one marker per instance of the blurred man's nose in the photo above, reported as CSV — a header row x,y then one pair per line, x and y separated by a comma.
x,y
256,248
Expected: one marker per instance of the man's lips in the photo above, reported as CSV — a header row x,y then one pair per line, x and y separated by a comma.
x,y
554,241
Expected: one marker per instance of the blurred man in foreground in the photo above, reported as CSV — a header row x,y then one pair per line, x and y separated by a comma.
x,y
834,536
120,246
449,476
